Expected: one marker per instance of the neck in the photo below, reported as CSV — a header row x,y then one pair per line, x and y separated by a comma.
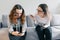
x,y
42,16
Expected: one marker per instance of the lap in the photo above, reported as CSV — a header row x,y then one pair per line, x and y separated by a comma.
x,y
12,37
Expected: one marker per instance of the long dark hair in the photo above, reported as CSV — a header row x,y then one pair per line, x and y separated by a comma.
x,y
17,6
44,8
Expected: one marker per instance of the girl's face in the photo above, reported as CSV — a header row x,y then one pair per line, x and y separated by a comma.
x,y
18,13
40,11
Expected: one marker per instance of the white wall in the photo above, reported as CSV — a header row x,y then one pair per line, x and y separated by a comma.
x,y
29,6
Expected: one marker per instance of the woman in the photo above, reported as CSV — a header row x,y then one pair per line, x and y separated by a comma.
x,y
17,23
42,23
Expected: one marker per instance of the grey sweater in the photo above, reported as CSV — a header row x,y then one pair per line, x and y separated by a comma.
x,y
45,22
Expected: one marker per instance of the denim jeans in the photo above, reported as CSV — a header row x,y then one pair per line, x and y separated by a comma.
x,y
44,34
12,37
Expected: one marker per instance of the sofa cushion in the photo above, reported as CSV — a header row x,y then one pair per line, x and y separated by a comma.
x,y
4,21
55,32
31,34
55,20
30,22
0,24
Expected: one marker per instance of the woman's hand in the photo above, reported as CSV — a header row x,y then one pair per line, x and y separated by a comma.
x,y
21,34
15,33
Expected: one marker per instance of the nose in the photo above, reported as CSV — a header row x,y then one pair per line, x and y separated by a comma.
x,y
19,15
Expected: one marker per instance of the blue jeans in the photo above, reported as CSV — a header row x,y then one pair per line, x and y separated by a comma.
x,y
12,37
44,34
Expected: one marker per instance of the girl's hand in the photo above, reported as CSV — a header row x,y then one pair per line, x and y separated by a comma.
x,y
21,34
15,33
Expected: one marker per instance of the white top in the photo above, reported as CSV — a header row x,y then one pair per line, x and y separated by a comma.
x,y
45,22
10,26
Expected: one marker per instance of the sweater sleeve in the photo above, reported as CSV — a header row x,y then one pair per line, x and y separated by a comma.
x,y
10,27
24,27
47,25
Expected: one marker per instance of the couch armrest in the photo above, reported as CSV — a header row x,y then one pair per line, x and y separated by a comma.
x,y
0,24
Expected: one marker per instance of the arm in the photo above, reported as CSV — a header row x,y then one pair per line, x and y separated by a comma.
x,y
24,27
10,28
47,25
49,20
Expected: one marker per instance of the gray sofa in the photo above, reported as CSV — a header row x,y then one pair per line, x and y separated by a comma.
x,y
31,33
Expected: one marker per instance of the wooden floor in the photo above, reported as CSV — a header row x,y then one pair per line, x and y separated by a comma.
x,y
4,34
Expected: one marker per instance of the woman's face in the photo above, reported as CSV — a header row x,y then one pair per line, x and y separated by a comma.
x,y
18,13
40,11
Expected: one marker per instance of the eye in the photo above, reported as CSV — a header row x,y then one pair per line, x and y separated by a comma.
x,y
15,14
40,11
